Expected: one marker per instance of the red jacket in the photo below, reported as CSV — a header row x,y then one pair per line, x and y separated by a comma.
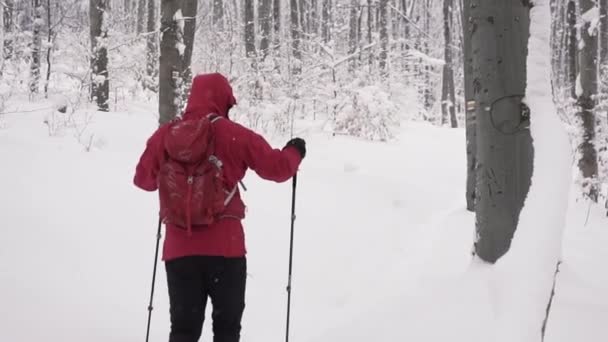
x,y
239,149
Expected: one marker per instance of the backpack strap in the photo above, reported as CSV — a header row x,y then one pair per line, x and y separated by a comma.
x,y
231,194
213,117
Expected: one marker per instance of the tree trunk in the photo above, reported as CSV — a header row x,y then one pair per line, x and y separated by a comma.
x,y
572,48
100,83
36,48
7,43
176,46
448,92
276,19
249,30
218,14
326,21
265,18
353,42
370,29
313,18
152,48
141,16
383,38
470,125
499,45
296,67
49,48
603,35
588,58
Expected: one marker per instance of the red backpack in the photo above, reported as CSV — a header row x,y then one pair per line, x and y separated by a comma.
x,y
190,182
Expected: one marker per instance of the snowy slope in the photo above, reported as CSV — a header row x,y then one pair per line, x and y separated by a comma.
x,y
382,246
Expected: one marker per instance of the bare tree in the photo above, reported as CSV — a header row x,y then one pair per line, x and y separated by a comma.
x,y
588,59
448,96
100,83
296,67
326,21
152,48
249,30
572,48
49,48
178,22
353,38
265,19
276,19
36,47
470,125
141,16
499,45
218,14
383,17
603,37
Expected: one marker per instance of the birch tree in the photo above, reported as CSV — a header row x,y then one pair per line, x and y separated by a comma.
x,y
100,83
499,45
586,100
178,22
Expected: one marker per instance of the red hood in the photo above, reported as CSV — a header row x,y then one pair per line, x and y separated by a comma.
x,y
210,93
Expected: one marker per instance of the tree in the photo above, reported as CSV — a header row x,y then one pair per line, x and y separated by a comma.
x,y
326,21
141,16
249,30
49,48
603,37
276,19
7,28
572,48
448,96
178,22
100,83
353,38
470,125
36,48
383,37
152,48
588,63
499,45
218,14
265,18
296,67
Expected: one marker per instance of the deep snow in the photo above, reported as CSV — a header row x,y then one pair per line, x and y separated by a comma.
x,y
382,244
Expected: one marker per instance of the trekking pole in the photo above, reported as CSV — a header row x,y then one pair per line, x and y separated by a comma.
x,y
293,219
150,308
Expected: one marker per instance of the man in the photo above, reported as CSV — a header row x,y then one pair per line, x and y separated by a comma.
x,y
209,261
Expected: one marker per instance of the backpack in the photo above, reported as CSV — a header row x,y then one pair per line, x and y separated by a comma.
x,y
190,181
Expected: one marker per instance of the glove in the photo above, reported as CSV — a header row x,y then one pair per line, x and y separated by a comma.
x,y
299,144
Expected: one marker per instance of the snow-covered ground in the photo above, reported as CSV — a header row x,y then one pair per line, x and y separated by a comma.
x,y
382,244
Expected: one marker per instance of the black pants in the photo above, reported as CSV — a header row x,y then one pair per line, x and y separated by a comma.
x,y
191,280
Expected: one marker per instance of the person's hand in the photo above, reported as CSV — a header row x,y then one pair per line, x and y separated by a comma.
x,y
299,144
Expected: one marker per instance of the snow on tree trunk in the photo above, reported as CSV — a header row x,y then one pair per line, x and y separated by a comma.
x,y
7,44
383,6
265,19
448,97
152,48
524,276
100,83
504,148
249,31
141,16
178,22
572,48
470,126
296,66
218,14
588,59
36,48
603,4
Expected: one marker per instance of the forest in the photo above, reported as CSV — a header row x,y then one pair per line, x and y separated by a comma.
x,y
500,106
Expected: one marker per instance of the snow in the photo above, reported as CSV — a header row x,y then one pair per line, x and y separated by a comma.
x,y
592,16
